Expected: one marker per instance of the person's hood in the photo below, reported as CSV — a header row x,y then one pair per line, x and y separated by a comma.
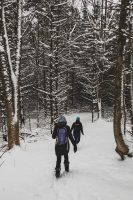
x,y
61,119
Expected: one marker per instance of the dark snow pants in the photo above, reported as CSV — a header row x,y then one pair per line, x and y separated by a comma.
x,y
58,162
76,136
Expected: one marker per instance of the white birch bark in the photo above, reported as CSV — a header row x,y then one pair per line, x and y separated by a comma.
x,y
99,108
18,55
14,73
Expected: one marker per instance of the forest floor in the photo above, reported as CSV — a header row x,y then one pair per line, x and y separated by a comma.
x,y
96,171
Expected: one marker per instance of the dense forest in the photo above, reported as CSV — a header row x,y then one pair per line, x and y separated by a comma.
x,y
58,55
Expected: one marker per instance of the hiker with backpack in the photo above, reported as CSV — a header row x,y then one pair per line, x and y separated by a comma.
x,y
62,134
77,129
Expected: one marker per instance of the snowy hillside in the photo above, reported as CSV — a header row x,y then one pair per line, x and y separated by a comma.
x,y
96,171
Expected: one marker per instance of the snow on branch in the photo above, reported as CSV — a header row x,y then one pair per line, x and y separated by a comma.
x,y
62,4
71,32
1,48
59,21
42,91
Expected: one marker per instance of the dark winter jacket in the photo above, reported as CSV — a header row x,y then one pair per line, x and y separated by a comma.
x,y
77,127
63,149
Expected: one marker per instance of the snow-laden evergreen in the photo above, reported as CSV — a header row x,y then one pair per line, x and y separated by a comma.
x,y
96,171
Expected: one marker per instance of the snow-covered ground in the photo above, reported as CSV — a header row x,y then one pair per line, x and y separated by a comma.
x,y
96,172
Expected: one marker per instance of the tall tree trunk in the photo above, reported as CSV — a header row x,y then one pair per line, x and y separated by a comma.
x,y
130,60
124,103
51,68
44,87
10,74
132,101
37,67
121,147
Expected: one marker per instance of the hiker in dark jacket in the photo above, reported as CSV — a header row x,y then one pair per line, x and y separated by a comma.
x,y
61,133
77,129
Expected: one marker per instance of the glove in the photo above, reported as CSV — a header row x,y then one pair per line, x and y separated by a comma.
x,y
75,148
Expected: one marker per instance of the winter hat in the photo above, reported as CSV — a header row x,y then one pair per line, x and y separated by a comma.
x,y
77,118
62,119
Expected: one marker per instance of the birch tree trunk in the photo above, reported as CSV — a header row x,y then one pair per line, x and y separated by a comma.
x,y
121,147
10,74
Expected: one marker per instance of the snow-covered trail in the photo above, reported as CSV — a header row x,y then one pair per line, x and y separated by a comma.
x,y
96,172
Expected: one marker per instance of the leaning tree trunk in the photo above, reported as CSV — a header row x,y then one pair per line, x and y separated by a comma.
x,y
121,147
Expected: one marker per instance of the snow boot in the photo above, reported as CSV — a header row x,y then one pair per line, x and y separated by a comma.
x,y
57,172
66,167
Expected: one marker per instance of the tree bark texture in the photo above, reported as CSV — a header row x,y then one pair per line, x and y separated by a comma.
x,y
121,147
10,78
